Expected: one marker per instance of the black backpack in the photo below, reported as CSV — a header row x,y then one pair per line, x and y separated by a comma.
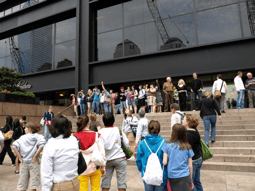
x,y
182,116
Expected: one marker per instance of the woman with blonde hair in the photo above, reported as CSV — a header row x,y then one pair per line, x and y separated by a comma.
x,y
207,107
182,90
89,100
191,123
94,124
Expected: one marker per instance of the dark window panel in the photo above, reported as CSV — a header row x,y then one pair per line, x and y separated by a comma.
x,y
218,24
248,18
133,12
109,18
65,54
66,30
150,37
174,7
6,62
206,4
181,32
4,48
109,45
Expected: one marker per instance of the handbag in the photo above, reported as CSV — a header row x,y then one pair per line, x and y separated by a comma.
x,y
82,165
217,93
205,151
97,158
8,135
42,122
128,153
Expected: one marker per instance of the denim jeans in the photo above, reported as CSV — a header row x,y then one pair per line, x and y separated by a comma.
x,y
107,107
240,100
82,107
95,104
154,188
197,164
117,108
47,134
210,120
194,95
102,106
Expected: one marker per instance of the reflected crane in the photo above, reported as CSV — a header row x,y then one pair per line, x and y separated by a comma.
x,y
251,15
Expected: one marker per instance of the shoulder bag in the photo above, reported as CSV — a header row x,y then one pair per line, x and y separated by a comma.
x,y
205,151
217,93
82,165
8,135
128,153
97,158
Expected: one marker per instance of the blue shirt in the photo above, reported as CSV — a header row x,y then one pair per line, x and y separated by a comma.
x,y
143,153
177,166
96,97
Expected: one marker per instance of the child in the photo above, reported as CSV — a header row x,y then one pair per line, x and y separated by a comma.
x,y
177,152
28,148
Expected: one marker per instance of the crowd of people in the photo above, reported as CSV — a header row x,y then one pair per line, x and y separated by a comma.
x,y
152,98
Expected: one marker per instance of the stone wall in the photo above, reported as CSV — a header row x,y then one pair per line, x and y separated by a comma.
x,y
34,113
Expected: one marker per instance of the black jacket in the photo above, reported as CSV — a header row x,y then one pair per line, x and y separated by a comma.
x,y
208,107
17,132
6,128
194,141
196,84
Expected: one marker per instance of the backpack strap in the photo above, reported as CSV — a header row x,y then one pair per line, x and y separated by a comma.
x,y
148,146
160,146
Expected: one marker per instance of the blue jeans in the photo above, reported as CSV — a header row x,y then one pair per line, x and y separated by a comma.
x,y
197,164
240,100
102,106
194,95
210,120
95,103
82,107
123,104
47,134
107,107
117,108
153,188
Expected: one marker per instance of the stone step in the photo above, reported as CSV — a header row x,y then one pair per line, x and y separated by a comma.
x,y
233,158
226,137
233,150
229,166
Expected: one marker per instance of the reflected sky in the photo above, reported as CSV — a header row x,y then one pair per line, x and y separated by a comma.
x,y
4,48
66,30
218,24
65,51
205,4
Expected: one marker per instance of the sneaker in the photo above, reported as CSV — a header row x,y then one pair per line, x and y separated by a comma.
x,y
13,165
132,158
17,173
223,111
213,141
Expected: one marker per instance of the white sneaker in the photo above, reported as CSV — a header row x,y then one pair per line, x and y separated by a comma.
x,y
132,158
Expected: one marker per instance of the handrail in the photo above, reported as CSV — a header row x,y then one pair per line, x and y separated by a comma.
x,y
59,113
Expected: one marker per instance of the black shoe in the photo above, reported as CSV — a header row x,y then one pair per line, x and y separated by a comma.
x,y
17,173
223,111
213,141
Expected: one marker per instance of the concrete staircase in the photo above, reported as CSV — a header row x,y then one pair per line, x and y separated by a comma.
x,y
234,149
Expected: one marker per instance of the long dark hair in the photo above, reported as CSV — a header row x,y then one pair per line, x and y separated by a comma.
x,y
9,121
82,122
179,137
16,124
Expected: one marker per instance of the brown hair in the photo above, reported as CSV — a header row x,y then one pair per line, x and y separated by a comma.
x,y
82,122
179,137
192,121
130,113
154,127
175,106
51,107
239,72
93,117
208,94
35,128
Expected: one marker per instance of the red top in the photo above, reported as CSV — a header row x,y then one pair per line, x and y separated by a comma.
x,y
87,138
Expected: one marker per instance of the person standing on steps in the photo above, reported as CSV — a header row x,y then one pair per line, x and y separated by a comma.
x,y
207,107
82,102
142,127
221,86
94,125
141,97
96,100
250,86
74,103
107,99
48,117
123,100
196,89
191,123
177,115
169,93
240,90
182,93
159,99
7,143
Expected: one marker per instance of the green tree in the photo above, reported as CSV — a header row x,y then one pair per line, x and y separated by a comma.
x,y
9,79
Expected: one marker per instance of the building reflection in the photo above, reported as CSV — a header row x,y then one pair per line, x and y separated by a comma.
x,y
130,48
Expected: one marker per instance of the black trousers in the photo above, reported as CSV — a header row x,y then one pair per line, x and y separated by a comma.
x,y
182,101
7,149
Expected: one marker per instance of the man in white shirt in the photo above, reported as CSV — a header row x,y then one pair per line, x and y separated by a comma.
x,y
177,115
240,90
221,85
142,128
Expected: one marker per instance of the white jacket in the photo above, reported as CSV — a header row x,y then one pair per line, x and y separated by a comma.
x,y
217,85
142,129
176,118
126,128
239,83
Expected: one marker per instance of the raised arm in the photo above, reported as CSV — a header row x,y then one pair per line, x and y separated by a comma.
x,y
103,85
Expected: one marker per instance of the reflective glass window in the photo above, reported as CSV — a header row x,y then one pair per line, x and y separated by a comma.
x,y
181,32
148,10
65,54
16,8
174,7
150,37
206,4
218,24
109,18
247,19
8,11
6,62
66,30
1,14
109,45
4,47
133,12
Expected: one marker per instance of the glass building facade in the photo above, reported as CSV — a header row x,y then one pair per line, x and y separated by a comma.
x,y
136,27
46,48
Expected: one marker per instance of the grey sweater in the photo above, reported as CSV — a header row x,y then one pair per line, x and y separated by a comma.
x,y
142,129
28,145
